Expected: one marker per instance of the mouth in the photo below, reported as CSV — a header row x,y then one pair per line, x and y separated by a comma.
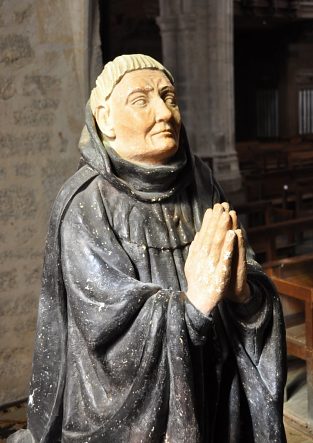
x,y
167,131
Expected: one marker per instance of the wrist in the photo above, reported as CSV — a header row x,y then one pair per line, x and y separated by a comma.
x,y
204,305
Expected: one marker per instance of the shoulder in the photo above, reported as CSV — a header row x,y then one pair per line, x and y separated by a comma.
x,y
203,174
80,180
205,182
202,167
205,179
75,183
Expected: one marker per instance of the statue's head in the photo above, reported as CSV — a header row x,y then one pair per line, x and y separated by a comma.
x,y
134,104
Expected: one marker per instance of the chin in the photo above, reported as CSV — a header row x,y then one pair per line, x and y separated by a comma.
x,y
155,154
167,152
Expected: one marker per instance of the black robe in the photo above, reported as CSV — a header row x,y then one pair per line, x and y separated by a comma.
x,y
121,355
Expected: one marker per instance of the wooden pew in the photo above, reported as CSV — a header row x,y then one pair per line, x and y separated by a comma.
x,y
304,196
254,213
275,183
263,239
274,156
265,156
300,158
249,156
293,278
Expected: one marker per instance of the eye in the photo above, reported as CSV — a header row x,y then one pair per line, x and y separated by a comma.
x,y
140,101
170,99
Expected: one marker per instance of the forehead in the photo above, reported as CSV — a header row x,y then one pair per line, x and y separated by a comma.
x,y
142,78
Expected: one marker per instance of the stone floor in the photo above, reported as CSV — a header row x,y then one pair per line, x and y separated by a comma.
x,y
14,418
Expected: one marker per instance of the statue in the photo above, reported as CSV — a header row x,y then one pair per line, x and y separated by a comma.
x,y
155,322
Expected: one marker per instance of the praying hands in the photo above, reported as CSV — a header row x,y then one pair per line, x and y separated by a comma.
x,y
216,264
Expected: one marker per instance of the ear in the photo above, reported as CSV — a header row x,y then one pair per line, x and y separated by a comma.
x,y
105,124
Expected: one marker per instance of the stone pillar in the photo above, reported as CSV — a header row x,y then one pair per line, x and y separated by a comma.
x,y
185,31
197,40
221,93
201,99
84,22
176,22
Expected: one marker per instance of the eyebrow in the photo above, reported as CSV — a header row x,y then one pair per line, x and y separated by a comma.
x,y
143,90
149,89
167,88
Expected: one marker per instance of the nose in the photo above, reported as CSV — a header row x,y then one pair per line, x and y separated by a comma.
x,y
162,111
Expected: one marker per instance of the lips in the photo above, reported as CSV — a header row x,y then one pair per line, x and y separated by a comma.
x,y
168,131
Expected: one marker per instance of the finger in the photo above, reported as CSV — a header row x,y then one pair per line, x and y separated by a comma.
x,y
225,206
224,267
241,246
217,236
218,208
214,225
241,276
234,218
205,223
210,220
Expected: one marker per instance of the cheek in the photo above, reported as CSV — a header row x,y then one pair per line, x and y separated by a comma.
x,y
177,117
138,123
130,131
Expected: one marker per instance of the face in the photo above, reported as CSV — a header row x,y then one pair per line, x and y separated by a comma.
x,y
143,117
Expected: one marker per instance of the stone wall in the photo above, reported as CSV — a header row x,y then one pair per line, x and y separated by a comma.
x,y
42,96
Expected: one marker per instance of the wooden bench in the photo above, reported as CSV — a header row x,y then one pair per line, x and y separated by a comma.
x,y
248,156
277,183
254,213
274,156
304,196
293,278
300,158
264,239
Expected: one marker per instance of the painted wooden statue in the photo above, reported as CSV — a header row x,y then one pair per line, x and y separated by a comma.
x,y
155,322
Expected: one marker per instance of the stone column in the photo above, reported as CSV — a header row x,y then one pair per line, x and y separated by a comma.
x,y
197,40
221,93
185,32
201,100
176,22
84,20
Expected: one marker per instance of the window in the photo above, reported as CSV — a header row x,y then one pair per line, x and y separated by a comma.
x,y
306,111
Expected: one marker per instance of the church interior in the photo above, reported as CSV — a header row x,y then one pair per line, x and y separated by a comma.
x,y
244,71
